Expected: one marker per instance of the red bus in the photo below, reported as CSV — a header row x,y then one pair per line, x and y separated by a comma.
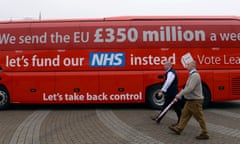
x,y
115,59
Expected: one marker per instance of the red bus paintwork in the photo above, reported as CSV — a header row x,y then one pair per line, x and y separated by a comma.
x,y
66,75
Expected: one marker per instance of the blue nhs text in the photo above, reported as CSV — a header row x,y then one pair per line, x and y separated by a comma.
x,y
107,59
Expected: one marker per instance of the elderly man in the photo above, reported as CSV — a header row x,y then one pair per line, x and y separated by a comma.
x,y
192,92
169,90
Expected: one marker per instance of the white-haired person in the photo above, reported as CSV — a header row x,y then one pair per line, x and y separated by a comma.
x,y
192,93
169,91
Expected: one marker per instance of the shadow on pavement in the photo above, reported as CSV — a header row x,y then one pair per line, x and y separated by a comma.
x,y
225,105
75,106
218,105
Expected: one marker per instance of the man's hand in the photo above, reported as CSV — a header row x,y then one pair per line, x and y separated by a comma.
x,y
177,97
160,94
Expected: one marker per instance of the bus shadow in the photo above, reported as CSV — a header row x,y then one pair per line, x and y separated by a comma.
x,y
215,105
225,105
75,106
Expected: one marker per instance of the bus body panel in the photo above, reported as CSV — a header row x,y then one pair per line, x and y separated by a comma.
x,y
74,86
115,60
122,86
30,87
120,34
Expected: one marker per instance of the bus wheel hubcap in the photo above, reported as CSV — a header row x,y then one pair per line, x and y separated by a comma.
x,y
2,97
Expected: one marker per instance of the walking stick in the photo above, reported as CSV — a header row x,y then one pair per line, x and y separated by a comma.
x,y
166,109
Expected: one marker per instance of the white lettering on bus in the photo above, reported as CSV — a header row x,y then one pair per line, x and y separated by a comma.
x,y
52,97
78,61
17,61
209,59
126,96
31,39
7,38
231,59
74,97
59,38
92,96
173,33
224,59
97,97
45,62
81,37
120,35
151,60
230,36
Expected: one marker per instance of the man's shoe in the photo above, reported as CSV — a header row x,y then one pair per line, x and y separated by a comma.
x,y
202,137
174,129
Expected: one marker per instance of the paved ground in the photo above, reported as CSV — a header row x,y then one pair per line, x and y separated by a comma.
x,y
111,125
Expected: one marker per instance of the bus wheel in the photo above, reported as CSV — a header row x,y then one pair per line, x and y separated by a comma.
x,y
207,96
4,98
153,100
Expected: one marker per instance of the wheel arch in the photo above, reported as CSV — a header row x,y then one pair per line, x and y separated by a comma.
x,y
151,100
207,95
4,90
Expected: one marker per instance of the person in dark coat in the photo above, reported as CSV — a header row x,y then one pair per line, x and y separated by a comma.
x,y
169,91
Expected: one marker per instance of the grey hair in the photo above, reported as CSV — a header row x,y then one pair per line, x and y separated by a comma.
x,y
167,62
193,63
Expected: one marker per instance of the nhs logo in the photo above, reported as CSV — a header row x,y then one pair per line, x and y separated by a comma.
x,y
107,59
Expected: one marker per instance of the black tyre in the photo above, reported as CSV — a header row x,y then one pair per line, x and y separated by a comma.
x,y
207,96
153,100
4,98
